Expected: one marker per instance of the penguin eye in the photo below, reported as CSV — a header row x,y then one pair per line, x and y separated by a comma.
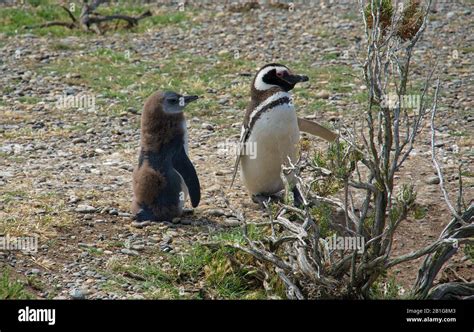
x,y
280,73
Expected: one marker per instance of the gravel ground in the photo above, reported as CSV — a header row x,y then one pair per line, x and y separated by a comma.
x,y
65,174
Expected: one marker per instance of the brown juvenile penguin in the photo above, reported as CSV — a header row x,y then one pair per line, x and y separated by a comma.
x,y
164,176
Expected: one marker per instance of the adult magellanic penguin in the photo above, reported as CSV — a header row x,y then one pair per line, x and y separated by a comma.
x,y
271,127
164,176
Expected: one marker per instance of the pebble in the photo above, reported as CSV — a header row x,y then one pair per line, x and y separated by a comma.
x,y
77,294
232,222
207,126
129,252
432,180
167,239
82,208
113,212
166,248
78,140
138,224
323,94
216,212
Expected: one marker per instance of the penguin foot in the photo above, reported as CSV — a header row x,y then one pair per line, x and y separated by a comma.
x,y
262,199
144,215
297,198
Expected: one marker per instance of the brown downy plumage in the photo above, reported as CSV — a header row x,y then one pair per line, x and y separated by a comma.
x,y
157,127
157,181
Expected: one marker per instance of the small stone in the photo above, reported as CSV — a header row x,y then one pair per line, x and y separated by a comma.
x,y
35,271
77,294
432,180
82,208
113,212
73,200
86,245
176,220
323,94
138,224
216,212
6,174
232,222
167,239
165,248
207,126
129,252
223,101
78,140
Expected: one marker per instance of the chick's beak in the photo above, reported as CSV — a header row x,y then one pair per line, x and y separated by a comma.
x,y
188,99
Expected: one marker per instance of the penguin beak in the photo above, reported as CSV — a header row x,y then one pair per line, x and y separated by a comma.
x,y
293,79
188,99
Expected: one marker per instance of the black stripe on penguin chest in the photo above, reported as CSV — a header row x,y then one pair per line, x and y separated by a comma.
x,y
265,109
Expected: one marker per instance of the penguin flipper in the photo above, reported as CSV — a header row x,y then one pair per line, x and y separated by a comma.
x,y
243,137
236,168
316,129
185,168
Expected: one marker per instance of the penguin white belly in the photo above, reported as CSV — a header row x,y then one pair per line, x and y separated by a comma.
x,y
183,195
185,129
276,135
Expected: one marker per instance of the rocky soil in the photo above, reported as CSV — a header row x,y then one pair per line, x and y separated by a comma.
x,y
65,173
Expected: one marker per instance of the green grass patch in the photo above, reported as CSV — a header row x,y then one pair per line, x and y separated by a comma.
x,y
458,133
12,289
323,214
14,19
115,75
469,251
386,288
419,212
171,277
14,195
29,100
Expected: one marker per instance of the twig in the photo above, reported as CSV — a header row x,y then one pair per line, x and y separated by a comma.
x,y
433,155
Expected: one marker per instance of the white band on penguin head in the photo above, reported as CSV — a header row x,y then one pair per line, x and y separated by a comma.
x,y
260,84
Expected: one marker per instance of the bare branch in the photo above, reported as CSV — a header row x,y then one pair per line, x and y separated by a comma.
x,y
433,156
